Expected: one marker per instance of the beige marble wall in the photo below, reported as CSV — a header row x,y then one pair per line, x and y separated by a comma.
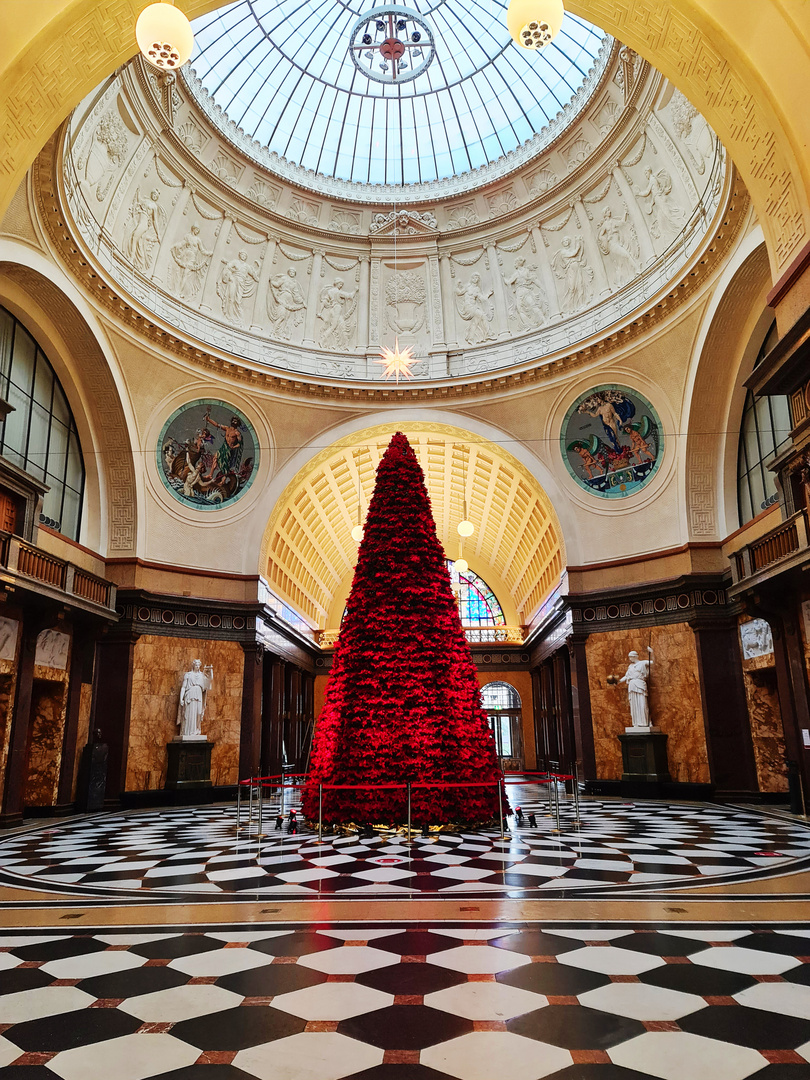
x,y
675,701
48,705
8,688
158,668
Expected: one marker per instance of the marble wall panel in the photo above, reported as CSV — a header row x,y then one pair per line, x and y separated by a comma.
x,y
82,731
8,686
764,712
48,704
675,700
158,668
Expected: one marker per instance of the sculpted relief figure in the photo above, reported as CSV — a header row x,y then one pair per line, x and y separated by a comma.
x,y
692,130
191,261
237,282
619,244
108,148
667,217
286,305
571,267
190,711
529,304
476,308
146,223
337,308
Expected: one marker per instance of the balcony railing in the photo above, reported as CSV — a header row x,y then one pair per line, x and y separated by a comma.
x,y
476,635
26,561
789,538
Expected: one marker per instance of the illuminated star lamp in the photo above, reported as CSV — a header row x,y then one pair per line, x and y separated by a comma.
x,y
396,363
164,36
533,24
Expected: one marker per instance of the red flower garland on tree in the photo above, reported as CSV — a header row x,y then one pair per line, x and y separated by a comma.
x,y
402,702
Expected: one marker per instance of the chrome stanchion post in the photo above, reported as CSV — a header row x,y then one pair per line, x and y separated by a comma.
x,y
500,808
557,806
238,805
261,805
320,813
577,820
548,789
409,813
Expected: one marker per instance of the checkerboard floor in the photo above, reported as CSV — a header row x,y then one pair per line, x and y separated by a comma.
x,y
408,1002
201,850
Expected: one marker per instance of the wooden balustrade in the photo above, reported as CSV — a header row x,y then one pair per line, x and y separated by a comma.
x,y
776,545
37,564
90,587
476,635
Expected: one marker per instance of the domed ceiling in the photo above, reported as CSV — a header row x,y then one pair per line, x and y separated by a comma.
x,y
314,84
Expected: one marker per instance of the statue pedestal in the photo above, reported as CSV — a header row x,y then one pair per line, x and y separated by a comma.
x,y
189,764
644,759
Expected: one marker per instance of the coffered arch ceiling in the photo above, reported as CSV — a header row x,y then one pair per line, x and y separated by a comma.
x,y
56,51
309,554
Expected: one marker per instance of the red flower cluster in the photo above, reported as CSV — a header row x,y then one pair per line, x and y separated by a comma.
x,y
402,702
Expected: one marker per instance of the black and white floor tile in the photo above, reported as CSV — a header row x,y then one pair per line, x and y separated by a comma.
x,y
407,1002
201,851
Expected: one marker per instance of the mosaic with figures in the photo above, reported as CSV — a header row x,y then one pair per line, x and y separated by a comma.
x,y
207,454
612,441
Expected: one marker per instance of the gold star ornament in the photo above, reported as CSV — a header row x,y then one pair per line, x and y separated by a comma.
x,y
396,363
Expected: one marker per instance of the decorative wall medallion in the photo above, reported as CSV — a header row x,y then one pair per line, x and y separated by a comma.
x,y
612,441
207,454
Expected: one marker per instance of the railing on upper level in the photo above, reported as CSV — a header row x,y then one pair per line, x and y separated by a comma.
x,y
790,537
476,635
28,561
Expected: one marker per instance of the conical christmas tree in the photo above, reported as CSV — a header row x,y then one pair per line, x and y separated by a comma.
x,y
402,702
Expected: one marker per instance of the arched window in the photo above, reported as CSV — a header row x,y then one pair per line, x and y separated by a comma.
x,y
477,603
501,703
764,430
40,435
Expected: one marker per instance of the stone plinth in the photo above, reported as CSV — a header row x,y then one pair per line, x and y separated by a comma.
x,y
189,764
644,757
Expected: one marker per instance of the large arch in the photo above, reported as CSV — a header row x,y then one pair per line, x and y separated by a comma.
x,y
64,330
739,63
307,554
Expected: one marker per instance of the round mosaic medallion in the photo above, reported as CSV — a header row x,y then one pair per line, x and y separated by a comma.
x,y
207,454
612,441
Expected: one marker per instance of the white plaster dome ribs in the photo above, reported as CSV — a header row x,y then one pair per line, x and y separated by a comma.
x,y
234,262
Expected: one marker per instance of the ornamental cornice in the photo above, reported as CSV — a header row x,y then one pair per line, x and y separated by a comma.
x,y
108,295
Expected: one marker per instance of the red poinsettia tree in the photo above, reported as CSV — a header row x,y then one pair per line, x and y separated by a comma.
x,y
402,702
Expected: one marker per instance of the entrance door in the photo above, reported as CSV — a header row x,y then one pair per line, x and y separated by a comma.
x,y
503,708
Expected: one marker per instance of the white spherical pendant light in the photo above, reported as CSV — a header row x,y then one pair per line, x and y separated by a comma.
x,y
164,36
534,23
461,566
465,528
357,533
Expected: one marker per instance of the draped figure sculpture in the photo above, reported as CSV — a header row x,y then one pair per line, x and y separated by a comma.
x,y
190,711
636,677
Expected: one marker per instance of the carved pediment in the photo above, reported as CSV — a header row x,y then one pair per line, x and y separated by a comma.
x,y
404,223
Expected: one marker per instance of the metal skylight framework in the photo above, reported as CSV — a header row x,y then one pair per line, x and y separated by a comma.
x,y
281,70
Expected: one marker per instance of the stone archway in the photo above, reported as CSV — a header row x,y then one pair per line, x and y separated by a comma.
x,y
57,51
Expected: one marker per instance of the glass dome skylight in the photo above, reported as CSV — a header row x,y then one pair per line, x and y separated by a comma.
x,y
281,71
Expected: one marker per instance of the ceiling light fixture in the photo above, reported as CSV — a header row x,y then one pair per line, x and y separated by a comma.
x,y
534,24
164,36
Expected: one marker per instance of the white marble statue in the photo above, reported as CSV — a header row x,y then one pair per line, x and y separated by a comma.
x,y
619,245
196,684
636,677
570,264
286,305
191,262
147,222
667,217
529,305
476,308
237,282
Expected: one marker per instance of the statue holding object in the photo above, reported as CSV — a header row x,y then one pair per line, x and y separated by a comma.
x,y
637,677
196,684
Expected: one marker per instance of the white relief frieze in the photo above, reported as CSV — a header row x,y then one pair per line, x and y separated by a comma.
x,y
403,223
692,131
476,308
263,194
237,282
226,168
303,211
570,264
542,181
191,262
459,217
109,145
528,303
193,137
344,221
618,242
406,302
337,309
502,202
146,224
286,304
577,154
667,218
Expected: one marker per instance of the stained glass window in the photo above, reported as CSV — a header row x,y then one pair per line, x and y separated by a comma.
x,y
477,603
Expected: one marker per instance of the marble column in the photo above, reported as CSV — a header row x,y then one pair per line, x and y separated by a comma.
x,y
17,759
209,301
312,298
82,655
112,705
362,305
259,320
250,737
436,315
451,333
272,708
547,278
499,294
635,215
375,275
170,236
581,707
